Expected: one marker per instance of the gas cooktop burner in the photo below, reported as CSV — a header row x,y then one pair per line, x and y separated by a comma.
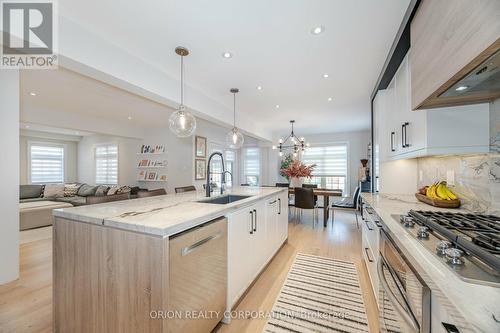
x,y
468,243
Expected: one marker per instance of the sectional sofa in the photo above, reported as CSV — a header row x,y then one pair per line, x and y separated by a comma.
x,y
36,202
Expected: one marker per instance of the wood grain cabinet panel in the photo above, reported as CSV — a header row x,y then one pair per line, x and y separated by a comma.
x,y
448,40
107,280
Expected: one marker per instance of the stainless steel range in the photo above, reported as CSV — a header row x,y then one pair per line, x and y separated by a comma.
x,y
468,243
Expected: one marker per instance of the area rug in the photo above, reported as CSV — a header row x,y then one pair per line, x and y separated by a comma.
x,y
319,295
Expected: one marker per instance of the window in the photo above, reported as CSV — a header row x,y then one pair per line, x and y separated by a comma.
x,y
106,164
331,166
230,160
251,166
46,163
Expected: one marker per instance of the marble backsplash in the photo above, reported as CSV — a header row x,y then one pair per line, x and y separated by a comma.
x,y
477,177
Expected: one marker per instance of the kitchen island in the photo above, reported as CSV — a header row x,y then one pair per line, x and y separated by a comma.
x,y
469,306
113,262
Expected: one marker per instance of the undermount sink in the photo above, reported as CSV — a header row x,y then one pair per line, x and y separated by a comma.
x,y
225,199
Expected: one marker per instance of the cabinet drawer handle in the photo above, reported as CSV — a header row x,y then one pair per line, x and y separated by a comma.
x,y
368,226
403,143
279,209
367,255
272,202
392,141
255,225
188,249
251,223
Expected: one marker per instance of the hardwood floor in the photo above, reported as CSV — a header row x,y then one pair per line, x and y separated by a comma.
x,y
342,241
26,304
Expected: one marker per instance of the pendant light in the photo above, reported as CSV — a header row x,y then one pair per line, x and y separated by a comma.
x,y
234,138
182,123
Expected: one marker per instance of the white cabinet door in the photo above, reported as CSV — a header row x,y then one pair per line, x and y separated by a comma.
x,y
391,119
282,222
258,258
272,233
239,251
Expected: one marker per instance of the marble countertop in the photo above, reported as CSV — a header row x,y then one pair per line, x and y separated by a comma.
x,y
471,307
163,215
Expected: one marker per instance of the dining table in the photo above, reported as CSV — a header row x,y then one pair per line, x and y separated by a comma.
x,y
326,194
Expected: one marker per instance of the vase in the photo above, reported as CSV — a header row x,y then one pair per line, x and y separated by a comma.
x,y
296,182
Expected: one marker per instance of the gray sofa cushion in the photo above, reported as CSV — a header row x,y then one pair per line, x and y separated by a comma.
x,y
87,190
101,191
75,201
30,191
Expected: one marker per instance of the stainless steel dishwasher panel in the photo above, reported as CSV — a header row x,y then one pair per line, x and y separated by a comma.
x,y
198,277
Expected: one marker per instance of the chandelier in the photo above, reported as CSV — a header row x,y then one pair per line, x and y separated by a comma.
x,y
295,145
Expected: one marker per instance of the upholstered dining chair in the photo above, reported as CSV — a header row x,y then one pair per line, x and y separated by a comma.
x,y
312,186
304,199
183,189
351,204
151,193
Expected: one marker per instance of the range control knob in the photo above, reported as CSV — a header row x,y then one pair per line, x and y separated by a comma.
x,y
454,256
442,246
407,221
423,233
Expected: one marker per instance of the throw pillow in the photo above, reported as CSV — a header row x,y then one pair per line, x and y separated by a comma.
x,y
123,189
70,190
87,190
101,191
53,191
113,190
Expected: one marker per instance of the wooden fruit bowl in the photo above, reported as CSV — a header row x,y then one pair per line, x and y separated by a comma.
x,y
438,202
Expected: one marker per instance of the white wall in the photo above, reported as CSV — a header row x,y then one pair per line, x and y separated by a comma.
x,y
127,158
180,153
70,153
357,145
9,171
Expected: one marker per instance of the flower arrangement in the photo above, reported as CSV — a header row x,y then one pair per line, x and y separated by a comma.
x,y
285,163
297,169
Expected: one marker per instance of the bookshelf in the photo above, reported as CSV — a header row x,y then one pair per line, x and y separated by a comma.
x,y
151,164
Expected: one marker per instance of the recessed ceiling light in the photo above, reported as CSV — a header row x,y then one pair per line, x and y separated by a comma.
x,y
129,118
27,126
330,99
317,30
462,88
227,55
325,76
259,87
277,106
33,93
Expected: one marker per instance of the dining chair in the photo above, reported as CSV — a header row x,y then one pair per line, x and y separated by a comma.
x,y
183,189
312,186
351,204
290,197
151,193
304,199
282,184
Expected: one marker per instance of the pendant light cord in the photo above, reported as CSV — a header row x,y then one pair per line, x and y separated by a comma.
x,y
182,80
234,110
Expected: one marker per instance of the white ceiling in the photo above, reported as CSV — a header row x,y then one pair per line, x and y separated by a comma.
x,y
66,92
272,47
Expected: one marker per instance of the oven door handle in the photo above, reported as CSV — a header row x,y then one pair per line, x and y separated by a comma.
x,y
392,298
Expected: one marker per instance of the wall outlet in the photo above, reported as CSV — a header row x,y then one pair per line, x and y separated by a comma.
x,y
450,177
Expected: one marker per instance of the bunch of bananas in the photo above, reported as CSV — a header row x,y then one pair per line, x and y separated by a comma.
x,y
438,190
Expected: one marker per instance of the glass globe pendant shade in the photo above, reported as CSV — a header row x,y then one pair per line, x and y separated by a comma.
x,y
182,123
235,139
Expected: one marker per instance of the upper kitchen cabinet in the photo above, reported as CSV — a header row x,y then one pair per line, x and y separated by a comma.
x,y
455,45
401,133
